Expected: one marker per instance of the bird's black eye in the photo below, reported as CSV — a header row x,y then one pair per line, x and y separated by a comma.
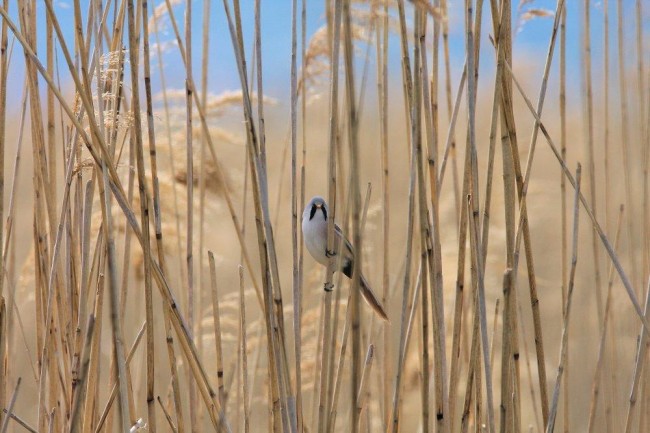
x,y
324,212
312,212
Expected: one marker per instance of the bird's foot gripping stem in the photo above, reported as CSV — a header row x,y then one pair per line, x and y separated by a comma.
x,y
328,286
329,253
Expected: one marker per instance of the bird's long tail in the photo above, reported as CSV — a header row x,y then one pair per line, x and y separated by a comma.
x,y
372,299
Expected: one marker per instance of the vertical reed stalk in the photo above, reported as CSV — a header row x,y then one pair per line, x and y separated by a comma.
x,y
144,211
550,427
563,211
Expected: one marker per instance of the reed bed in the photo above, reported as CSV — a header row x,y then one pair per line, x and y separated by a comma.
x,y
153,275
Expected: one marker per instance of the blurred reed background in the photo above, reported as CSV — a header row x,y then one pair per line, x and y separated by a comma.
x,y
494,183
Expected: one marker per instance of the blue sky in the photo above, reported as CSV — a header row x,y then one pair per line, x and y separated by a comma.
x,y
530,42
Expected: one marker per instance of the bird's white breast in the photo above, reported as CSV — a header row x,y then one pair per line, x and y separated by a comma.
x,y
314,232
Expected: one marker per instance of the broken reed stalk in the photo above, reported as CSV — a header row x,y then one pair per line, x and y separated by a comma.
x,y
205,58
565,324
363,392
12,402
115,386
216,319
168,417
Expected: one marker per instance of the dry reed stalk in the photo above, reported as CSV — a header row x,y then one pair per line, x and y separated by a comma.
x,y
315,402
219,170
167,416
116,325
496,100
474,369
393,425
266,243
363,384
495,323
355,202
79,398
157,214
625,150
92,392
20,421
603,237
296,281
433,246
478,264
4,68
381,43
189,247
115,387
506,409
529,375
598,374
325,395
216,316
460,272
169,145
641,352
641,90
563,211
423,217
336,379
243,348
588,111
10,408
205,57
565,324
144,206
3,355
522,227
471,189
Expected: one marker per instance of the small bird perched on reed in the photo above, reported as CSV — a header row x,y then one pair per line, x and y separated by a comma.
x,y
314,233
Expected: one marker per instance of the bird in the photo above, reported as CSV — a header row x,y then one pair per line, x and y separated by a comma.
x,y
314,233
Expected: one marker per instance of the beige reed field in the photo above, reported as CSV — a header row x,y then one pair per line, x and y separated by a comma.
x,y
488,161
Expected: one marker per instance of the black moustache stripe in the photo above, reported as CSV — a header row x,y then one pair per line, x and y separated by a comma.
x,y
312,213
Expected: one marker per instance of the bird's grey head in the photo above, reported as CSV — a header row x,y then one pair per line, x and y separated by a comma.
x,y
316,204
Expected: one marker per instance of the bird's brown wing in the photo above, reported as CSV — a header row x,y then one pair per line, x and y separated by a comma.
x,y
348,267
